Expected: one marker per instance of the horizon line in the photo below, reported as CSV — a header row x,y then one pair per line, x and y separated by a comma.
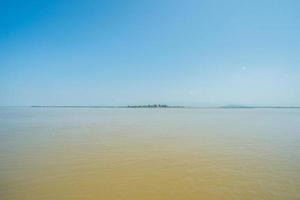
x,y
146,106
158,106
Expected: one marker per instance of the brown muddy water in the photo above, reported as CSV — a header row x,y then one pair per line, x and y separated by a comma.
x,y
143,154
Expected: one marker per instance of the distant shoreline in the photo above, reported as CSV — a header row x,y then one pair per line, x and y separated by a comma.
x,y
182,107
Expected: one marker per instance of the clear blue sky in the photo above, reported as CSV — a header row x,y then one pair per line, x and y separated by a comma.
x,y
204,53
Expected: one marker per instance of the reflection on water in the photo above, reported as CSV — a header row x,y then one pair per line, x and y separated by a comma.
x,y
113,154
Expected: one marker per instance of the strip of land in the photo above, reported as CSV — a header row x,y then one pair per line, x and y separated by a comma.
x,y
168,106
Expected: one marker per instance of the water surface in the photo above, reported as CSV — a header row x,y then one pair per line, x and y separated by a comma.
x,y
128,154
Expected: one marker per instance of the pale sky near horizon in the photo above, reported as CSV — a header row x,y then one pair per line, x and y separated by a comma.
x,y
190,52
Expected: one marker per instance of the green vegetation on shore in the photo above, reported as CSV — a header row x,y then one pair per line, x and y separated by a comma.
x,y
167,106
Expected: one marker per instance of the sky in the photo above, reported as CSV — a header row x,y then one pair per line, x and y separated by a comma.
x,y
125,52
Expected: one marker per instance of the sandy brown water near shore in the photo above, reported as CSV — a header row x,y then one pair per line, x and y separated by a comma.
x,y
56,153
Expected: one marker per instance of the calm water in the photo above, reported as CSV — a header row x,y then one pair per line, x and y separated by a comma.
x,y
141,154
